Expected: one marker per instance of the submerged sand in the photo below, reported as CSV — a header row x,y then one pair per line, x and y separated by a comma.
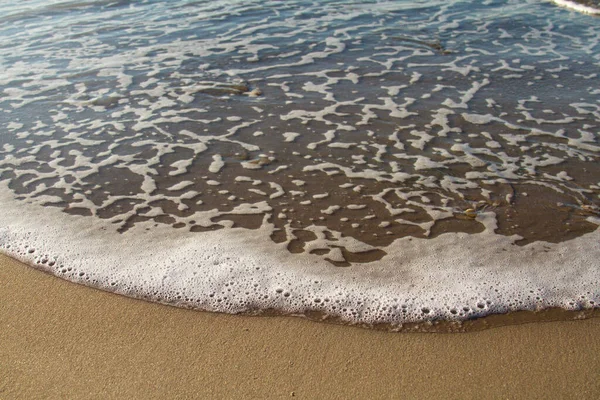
x,y
62,340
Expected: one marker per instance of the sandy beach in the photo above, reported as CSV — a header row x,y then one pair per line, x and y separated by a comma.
x,y
392,164
62,340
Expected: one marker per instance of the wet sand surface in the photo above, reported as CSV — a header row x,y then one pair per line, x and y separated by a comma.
x,y
62,340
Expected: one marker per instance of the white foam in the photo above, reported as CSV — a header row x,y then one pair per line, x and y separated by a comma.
x,y
181,185
582,8
454,276
217,164
290,136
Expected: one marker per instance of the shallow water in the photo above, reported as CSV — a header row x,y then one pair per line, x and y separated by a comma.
x,y
380,163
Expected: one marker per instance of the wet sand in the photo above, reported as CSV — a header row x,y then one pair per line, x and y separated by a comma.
x,y
62,340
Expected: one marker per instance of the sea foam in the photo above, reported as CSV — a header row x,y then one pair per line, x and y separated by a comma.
x,y
404,162
454,276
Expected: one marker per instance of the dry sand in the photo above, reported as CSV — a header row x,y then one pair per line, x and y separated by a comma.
x,y
62,340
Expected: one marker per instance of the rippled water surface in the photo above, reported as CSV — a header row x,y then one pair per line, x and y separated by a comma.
x,y
331,133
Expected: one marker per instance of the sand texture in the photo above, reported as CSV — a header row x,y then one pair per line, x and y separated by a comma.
x,y
62,340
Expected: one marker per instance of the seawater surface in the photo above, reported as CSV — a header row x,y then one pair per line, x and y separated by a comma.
x,y
375,162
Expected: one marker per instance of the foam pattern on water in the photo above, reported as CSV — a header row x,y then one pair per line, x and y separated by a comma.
x,y
454,277
234,156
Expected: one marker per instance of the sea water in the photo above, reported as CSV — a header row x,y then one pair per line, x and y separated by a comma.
x,y
373,162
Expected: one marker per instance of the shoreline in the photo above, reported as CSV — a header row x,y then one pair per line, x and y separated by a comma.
x,y
456,276
60,339
440,325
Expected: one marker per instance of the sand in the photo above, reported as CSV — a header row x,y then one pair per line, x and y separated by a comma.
x,y
62,340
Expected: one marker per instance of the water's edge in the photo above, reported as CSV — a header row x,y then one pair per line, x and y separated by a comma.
x,y
399,294
439,326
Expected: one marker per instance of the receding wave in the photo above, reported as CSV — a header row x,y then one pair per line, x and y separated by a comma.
x,y
378,163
